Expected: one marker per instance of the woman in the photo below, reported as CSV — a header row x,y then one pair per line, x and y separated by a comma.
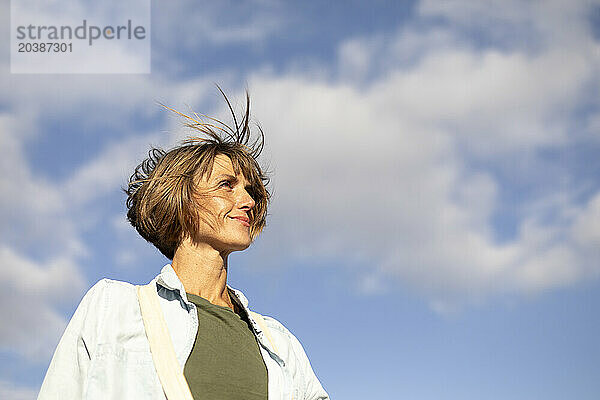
x,y
197,203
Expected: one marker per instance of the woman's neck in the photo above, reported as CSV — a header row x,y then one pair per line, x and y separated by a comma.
x,y
203,271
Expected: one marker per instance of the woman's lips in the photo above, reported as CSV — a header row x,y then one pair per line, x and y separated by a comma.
x,y
244,220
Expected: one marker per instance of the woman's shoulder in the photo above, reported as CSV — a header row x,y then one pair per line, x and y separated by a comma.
x,y
118,296
109,308
106,290
107,298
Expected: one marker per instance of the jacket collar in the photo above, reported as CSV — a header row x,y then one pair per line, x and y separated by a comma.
x,y
169,279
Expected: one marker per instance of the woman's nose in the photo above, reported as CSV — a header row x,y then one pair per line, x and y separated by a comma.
x,y
246,201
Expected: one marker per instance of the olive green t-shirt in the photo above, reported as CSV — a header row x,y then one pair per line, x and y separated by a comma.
x,y
225,362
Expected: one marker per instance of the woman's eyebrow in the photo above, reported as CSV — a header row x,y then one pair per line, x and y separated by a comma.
x,y
233,178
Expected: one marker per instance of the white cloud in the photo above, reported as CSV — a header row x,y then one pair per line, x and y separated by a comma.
x,y
525,25
377,168
218,24
31,292
32,209
185,28
586,226
109,170
356,179
132,248
35,227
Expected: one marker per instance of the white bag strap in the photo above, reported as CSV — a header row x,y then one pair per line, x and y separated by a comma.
x,y
261,322
163,354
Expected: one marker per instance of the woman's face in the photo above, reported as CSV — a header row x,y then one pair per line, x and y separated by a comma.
x,y
228,204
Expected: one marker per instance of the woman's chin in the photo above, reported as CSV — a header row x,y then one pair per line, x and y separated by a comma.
x,y
240,245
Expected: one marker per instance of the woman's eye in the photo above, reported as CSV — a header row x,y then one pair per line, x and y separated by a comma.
x,y
226,184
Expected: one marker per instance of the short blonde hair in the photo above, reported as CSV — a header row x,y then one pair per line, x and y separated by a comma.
x,y
162,194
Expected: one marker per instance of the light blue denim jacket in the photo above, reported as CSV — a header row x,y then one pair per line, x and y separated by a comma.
x,y
104,353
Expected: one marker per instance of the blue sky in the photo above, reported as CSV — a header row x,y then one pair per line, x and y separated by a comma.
x,y
435,225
